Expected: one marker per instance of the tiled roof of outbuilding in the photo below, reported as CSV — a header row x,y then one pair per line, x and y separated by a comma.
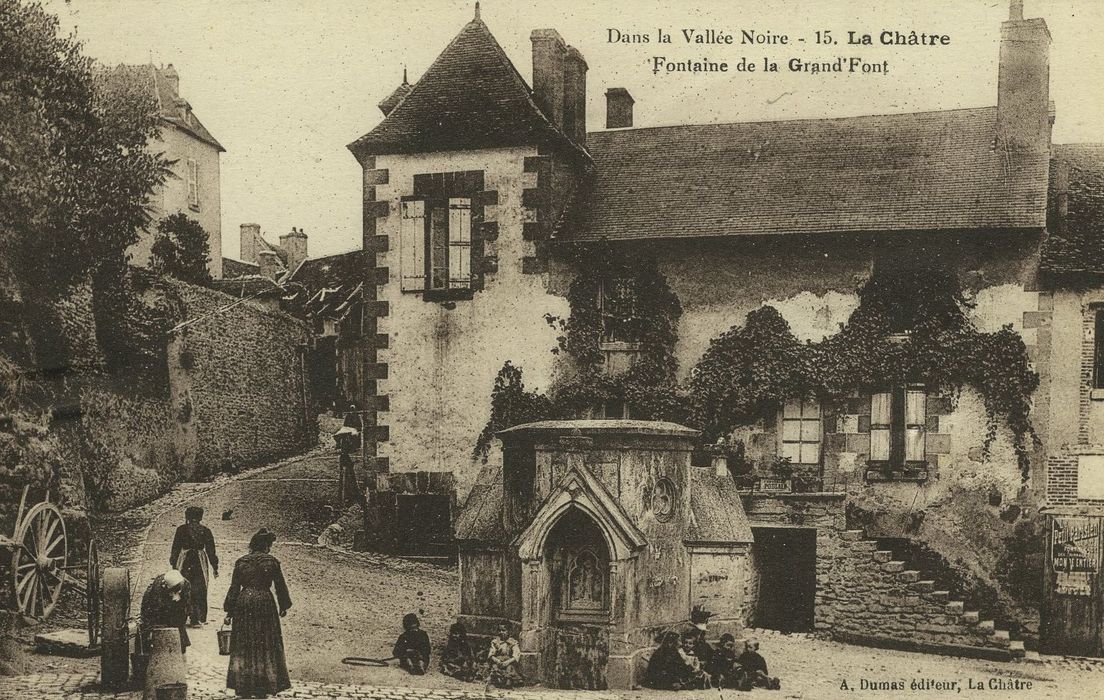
x,y
918,171
326,286
480,519
470,97
1074,248
232,268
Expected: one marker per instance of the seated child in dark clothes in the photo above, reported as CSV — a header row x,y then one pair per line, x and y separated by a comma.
x,y
666,670
756,667
725,670
412,646
458,660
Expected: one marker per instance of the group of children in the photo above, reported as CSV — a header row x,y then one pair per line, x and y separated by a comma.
x,y
683,662
689,662
498,665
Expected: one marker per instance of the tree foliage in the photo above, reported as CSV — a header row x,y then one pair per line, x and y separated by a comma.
x,y
181,249
75,170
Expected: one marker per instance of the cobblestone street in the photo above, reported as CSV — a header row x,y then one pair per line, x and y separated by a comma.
x,y
349,604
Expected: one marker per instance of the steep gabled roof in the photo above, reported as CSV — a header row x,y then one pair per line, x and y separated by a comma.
x,y
918,171
470,97
326,286
1073,252
716,513
149,79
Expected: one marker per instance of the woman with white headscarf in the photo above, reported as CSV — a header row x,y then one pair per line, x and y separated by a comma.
x,y
165,604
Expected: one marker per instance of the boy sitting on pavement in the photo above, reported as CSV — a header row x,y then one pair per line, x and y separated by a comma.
x,y
502,660
458,660
412,646
755,666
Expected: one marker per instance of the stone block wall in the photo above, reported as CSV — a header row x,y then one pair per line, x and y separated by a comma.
x,y
864,596
239,389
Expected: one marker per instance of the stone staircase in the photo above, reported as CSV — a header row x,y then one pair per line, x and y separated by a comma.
x,y
879,601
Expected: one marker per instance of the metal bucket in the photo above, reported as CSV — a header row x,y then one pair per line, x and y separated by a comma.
x,y
224,642
172,691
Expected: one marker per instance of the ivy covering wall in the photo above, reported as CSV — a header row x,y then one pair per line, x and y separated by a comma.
x,y
912,326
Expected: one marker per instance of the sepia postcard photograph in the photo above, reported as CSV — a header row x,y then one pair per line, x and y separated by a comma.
x,y
574,350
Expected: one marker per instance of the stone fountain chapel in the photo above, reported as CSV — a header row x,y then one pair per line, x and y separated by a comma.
x,y
594,537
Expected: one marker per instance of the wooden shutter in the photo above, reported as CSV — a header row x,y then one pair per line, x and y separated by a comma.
x,y
193,182
915,422
880,419
412,245
460,243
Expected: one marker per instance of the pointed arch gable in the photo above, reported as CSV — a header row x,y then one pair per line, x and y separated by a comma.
x,y
579,489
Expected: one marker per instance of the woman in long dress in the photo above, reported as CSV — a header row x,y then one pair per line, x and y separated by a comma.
x,y
258,667
193,555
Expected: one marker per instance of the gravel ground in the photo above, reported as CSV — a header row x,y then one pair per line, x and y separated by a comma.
x,y
350,604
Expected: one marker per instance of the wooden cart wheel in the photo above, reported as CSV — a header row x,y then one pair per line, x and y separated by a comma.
x,y
38,560
92,592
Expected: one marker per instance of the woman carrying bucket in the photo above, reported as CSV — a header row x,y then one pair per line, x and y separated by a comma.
x,y
258,667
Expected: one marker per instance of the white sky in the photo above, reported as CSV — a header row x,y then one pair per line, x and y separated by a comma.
x,y
285,85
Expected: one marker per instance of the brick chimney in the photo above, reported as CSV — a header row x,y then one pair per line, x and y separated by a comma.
x,y
294,245
575,70
269,262
619,108
250,237
548,73
1023,83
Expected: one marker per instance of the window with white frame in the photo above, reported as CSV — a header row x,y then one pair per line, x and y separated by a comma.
x,y
898,418
192,173
435,244
801,431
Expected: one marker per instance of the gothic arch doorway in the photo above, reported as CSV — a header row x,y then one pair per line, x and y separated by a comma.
x,y
578,561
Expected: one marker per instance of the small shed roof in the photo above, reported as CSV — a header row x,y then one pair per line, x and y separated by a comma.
x,y
716,512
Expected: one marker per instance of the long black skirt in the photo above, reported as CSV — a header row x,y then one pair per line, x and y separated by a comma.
x,y
257,663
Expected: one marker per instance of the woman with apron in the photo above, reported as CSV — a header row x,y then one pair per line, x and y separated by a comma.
x,y
193,555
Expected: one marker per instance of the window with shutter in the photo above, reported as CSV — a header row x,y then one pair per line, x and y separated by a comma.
x,y
801,431
193,182
897,424
412,245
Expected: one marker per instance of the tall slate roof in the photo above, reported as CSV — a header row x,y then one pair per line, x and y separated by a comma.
x,y
918,171
1074,247
470,97
152,81
326,286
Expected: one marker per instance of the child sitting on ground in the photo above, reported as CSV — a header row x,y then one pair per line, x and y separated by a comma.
x,y
726,671
412,646
458,660
502,660
755,666
696,678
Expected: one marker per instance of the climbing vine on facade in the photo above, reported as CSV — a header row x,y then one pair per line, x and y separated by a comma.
x,y
911,327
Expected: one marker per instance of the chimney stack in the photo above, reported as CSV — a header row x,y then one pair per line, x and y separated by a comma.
x,y
269,263
619,108
575,70
294,245
170,75
1023,83
250,235
548,73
